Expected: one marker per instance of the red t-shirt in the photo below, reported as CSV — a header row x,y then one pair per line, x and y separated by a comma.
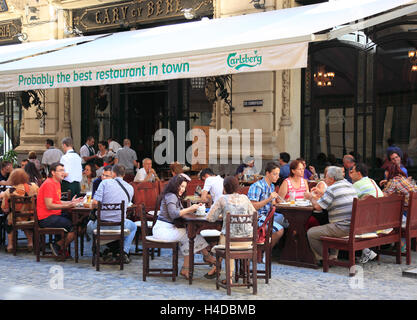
x,y
49,189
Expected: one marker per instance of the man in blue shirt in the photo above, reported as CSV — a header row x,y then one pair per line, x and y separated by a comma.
x,y
262,195
111,191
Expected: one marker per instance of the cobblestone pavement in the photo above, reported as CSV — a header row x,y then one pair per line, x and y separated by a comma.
x,y
21,277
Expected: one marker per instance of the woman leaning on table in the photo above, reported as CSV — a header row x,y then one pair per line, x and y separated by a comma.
x,y
234,203
171,209
295,183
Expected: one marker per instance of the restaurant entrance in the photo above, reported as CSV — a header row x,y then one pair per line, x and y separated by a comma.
x,y
135,111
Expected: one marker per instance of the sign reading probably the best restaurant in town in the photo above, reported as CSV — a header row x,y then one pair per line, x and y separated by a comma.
x,y
131,13
278,57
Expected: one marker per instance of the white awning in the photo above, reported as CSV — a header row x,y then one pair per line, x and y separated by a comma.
x,y
272,40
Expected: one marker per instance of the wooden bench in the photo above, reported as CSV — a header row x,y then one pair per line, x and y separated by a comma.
x,y
368,216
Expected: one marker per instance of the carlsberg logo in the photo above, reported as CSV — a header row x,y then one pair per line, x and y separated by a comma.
x,y
237,62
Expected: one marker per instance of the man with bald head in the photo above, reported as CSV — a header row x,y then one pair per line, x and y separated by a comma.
x,y
348,163
127,157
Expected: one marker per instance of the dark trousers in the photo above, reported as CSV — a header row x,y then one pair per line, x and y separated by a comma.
x,y
74,187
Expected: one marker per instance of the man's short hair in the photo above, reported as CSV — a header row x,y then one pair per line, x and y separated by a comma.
x,y
285,157
349,158
335,173
270,166
89,138
143,161
108,168
50,142
206,171
126,142
5,164
67,141
362,168
53,168
119,170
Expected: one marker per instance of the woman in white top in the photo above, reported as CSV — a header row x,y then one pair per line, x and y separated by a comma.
x,y
104,153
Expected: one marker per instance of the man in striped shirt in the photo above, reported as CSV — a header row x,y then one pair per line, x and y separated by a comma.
x,y
337,200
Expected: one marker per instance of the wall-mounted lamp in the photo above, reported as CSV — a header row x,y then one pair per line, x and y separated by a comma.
x,y
21,36
75,31
413,59
189,13
257,4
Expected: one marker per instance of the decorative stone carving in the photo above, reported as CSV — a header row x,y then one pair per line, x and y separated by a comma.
x,y
286,83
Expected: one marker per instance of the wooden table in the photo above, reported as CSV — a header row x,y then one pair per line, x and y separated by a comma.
x,y
78,213
296,251
194,226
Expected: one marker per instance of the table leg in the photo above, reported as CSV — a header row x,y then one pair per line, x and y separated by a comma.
x,y
75,223
191,259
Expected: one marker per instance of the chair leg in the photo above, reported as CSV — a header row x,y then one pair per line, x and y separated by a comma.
x,y
82,244
325,258
97,254
228,277
408,250
255,275
352,266
122,253
174,258
145,256
398,256
413,244
217,272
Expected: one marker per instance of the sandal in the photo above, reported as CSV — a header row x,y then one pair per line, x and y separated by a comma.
x,y
9,250
211,276
185,275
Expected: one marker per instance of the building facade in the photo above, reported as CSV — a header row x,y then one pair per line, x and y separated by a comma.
x,y
357,113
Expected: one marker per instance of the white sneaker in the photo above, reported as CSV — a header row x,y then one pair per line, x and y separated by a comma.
x,y
366,256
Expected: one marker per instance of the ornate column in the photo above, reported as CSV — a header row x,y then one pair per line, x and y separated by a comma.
x,y
285,114
286,83
66,127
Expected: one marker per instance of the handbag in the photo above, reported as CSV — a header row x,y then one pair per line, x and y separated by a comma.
x,y
262,229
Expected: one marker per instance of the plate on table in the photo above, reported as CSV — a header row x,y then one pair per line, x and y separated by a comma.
x,y
303,203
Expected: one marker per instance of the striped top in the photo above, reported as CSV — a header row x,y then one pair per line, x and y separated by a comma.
x,y
367,186
299,193
338,200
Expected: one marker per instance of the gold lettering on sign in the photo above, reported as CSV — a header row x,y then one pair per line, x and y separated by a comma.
x,y
159,7
169,6
106,16
151,8
115,14
179,6
5,31
98,21
124,12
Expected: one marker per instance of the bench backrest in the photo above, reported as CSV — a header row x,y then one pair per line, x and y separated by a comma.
x,y
146,193
372,214
412,211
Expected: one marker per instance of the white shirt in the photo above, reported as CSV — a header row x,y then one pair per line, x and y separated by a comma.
x,y
114,146
72,165
51,155
214,185
85,152
141,175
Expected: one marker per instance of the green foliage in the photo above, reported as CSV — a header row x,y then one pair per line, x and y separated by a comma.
x,y
11,156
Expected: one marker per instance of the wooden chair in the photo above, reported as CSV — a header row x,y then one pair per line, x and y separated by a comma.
x,y
39,237
244,190
244,253
192,185
20,207
145,194
3,222
102,236
368,215
149,242
409,232
262,247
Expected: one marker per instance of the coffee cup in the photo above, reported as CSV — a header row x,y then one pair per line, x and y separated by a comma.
x,y
201,210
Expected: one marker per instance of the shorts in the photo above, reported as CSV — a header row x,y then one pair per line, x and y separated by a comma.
x,y
57,221
279,220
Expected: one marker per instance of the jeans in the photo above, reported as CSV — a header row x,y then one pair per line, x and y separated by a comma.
x,y
127,240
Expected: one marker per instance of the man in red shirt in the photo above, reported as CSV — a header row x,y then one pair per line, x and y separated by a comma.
x,y
49,206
